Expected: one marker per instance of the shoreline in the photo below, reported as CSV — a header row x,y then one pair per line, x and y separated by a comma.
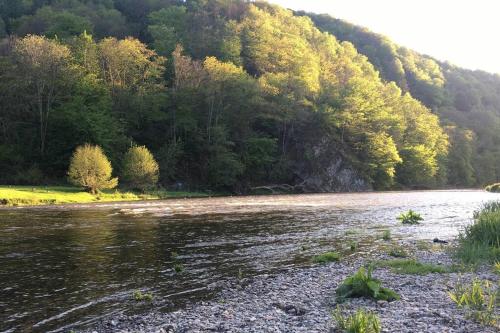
x,y
302,299
12,197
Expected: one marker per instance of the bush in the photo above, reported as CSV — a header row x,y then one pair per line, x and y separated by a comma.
x,y
91,169
493,188
326,257
481,240
360,322
362,284
140,169
410,217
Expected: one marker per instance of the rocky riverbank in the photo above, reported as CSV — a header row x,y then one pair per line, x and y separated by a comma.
x,y
301,300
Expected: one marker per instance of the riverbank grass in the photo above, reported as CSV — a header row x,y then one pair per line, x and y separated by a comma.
x,y
53,195
411,266
360,322
326,257
480,242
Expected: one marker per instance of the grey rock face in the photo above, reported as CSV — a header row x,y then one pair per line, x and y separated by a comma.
x,y
322,168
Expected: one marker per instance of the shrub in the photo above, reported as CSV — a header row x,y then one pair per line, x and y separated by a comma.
x,y
481,240
91,169
410,217
139,296
493,188
478,299
140,169
411,266
326,257
361,284
360,322
386,235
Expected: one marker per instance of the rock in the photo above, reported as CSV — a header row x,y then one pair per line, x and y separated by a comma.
x,y
437,240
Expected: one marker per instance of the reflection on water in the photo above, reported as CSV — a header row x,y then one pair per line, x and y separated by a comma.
x,y
65,266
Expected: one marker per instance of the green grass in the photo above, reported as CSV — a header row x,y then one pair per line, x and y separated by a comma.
x,y
410,217
360,322
493,188
411,266
480,242
326,257
398,252
386,235
178,268
479,299
362,284
52,195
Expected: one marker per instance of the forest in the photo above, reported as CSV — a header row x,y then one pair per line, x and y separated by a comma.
x,y
233,95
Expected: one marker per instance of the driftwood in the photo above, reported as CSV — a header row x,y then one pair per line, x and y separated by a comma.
x,y
279,188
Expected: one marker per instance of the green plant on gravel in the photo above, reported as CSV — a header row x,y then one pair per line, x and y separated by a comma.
x,y
362,284
423,245
496,268
410,217
480,241
178,268
411,266
353,245
398,252
139,296
479,299
360,322
326,257
386,235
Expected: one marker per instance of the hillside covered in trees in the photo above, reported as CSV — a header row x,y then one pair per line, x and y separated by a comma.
x,y
233,94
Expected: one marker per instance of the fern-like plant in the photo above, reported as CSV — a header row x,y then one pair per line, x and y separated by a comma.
x,y
410,217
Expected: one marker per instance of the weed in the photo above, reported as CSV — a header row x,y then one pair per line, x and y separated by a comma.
x,y
326,257
360,322
398,252
178,268
410,217
411,266
353,246
139,296
478,299
362,284
386,235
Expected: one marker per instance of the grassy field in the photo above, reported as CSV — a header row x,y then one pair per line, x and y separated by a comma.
x,y
52,195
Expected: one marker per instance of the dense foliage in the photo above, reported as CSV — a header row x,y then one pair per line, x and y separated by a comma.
x,y
468,102
140,169
229,94
91,169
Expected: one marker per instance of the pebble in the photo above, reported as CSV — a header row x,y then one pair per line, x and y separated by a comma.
x,y
302,300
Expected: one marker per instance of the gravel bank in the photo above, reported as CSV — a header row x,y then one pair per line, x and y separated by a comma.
x,y
301,300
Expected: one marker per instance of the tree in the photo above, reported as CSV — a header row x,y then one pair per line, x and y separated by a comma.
x,y
140,169
90,168
44,66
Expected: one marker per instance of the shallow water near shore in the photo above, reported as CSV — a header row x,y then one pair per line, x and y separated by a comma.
x,y
69,266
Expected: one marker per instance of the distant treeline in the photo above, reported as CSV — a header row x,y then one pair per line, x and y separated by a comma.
x,y
232,94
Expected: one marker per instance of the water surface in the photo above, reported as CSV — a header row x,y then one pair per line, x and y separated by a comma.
x,y
67,266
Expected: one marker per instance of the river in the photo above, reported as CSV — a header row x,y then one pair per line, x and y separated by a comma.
x,y
65,267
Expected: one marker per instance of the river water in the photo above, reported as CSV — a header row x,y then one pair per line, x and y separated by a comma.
x,y
68,266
